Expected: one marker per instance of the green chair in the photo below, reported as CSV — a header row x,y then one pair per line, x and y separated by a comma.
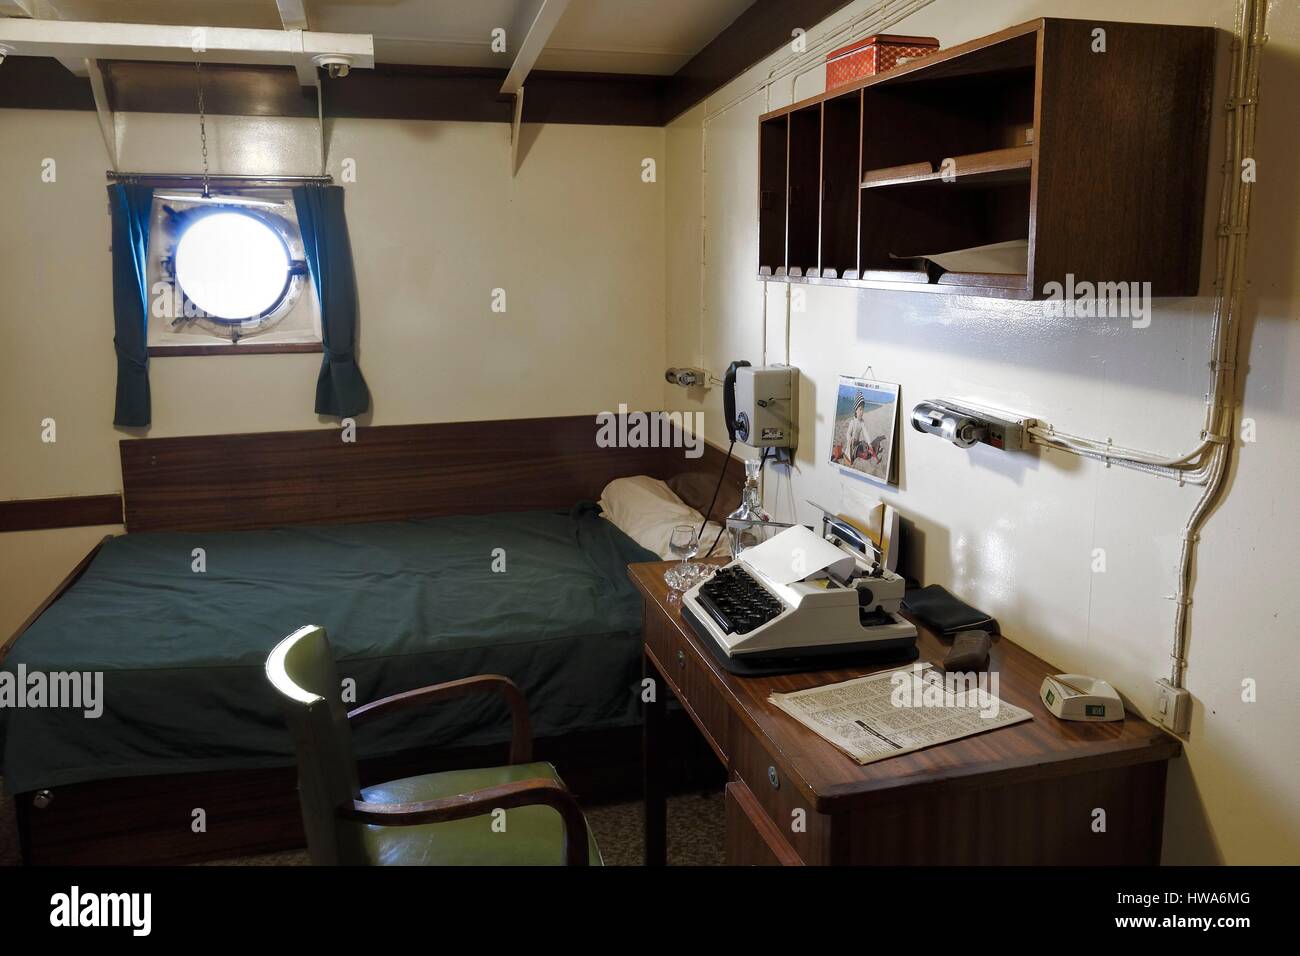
x,y
434,819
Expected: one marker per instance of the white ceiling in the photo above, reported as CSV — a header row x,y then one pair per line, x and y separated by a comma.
x,y
605,36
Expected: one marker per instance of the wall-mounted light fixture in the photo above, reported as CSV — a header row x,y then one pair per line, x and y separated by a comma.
x,y
965,425
337,65
687,377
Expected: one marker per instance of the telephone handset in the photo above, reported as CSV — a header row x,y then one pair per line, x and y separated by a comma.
x,y
737,426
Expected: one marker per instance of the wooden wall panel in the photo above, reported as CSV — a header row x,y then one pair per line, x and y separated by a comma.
x,y
40,82
389,91
38,514
227,482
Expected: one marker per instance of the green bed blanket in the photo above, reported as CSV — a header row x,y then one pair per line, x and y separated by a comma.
x,y
405,604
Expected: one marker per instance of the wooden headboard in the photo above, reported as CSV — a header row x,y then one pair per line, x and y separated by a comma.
x,y
390,472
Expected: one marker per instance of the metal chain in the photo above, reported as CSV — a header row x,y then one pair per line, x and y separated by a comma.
x,y
203,127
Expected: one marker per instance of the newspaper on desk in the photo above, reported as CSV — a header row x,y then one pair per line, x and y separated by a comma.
x,y
895,712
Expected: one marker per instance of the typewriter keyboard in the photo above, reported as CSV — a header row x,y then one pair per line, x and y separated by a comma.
x,y
737,602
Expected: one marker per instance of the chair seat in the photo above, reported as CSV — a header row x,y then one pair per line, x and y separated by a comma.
x,y
533,835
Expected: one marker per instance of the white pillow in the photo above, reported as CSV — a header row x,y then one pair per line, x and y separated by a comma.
x,y
646,510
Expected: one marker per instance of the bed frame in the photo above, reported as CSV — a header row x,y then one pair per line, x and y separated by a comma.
x,y
237,482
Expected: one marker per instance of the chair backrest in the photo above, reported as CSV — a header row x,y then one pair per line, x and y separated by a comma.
x,y
301,668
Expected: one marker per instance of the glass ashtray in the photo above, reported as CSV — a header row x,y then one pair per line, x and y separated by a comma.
x,y
683,577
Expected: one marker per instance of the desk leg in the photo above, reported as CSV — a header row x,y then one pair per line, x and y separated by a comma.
x,y
653,754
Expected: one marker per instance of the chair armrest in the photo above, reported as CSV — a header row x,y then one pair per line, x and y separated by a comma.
x,y
521,793
521,737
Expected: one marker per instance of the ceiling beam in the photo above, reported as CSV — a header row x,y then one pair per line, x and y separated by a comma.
x,y
758,32
66,39
516,120
535,23
293,15
44,10
107,123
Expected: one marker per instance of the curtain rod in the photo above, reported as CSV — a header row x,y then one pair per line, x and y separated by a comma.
x,y
245,182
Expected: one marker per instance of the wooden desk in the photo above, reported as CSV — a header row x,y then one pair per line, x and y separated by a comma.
x,y
1024,794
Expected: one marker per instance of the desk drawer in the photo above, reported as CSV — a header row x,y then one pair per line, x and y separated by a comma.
x,y
659,640
705,700
780,798
753,839
688,677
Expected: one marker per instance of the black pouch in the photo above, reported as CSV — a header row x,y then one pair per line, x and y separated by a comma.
x,y
938,610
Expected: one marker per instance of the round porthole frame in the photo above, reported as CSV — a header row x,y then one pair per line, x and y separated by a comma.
x,y
295,279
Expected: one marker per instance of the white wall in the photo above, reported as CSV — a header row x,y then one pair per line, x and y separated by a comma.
x,y
1014,534
436,221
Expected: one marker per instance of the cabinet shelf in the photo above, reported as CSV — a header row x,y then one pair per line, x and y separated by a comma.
x,y
1017,136
987,168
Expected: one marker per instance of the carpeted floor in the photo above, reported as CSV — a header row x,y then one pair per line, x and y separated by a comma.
x,y
696,834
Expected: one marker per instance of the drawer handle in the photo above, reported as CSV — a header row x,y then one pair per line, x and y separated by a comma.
x,y
773,778
681,658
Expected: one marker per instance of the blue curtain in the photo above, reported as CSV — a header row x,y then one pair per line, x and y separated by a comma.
x,y
340,390
130,207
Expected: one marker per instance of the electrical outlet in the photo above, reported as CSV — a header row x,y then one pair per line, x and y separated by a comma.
x,y
1173,707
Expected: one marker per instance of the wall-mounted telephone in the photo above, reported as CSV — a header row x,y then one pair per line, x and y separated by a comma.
x,y
735,429
760,405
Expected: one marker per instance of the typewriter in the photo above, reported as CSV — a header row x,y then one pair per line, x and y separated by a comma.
x,y
800,599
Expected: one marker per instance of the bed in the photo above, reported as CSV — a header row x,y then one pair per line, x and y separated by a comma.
x,y
405,604
400,573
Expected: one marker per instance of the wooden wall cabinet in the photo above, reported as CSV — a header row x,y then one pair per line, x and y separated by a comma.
x,y
1093,162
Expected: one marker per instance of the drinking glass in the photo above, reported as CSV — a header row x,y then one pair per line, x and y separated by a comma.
x,y
685,543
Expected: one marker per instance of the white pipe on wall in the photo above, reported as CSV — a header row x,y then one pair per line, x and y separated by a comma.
x,y
1234,229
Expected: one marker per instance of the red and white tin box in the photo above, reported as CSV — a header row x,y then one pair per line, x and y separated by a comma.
x,y
875,54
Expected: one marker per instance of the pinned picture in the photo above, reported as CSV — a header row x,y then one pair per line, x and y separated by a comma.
x,y
866,417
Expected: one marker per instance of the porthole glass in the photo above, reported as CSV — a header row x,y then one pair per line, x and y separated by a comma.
x,y
232,265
